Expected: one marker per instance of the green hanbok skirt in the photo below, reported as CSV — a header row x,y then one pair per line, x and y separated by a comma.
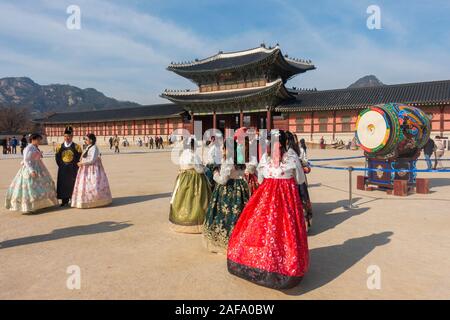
x,y
189,202
227,203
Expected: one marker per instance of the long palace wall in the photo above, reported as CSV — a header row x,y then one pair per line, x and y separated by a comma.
x,y
132,130
331,125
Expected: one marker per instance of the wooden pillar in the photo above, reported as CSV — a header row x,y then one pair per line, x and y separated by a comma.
x,y
441,121
241,118
312,125
192,123
334,124
134,128
168,126
269,120
214,120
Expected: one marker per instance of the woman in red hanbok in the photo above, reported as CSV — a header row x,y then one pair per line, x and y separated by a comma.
x,y
268,245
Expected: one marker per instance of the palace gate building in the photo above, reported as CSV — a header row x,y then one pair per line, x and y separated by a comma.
x,y
250,88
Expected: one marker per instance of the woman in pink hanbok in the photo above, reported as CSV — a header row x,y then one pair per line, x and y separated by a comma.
x,y
91,186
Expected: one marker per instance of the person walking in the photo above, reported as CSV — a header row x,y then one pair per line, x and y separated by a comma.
x,y
428,150
23,144
110,143
116,142
439,153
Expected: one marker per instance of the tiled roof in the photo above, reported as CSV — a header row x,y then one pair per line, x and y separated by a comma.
x,y
429,93
235,60
195,96
137,113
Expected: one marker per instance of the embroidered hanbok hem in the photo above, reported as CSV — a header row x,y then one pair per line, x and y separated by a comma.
x,y
91,188
27,193
227,202
268,245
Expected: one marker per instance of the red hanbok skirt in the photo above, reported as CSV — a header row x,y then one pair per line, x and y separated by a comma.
x,y
269,244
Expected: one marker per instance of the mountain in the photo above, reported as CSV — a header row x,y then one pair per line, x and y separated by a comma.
x,y
367,81
44,99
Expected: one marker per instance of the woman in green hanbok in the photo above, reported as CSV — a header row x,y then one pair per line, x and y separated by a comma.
x,y
191,194
227,201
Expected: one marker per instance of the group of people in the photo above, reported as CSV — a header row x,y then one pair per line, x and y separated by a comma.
x,y
257,214
81,183
9,145
158,142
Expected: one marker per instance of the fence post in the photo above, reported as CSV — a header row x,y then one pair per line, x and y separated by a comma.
x,y
350,199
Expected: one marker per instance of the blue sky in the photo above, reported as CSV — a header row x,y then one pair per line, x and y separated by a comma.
x,y
124,47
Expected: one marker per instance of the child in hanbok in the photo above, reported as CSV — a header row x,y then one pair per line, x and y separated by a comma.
x,y
191,194
227,201
91,186
269,245
33,187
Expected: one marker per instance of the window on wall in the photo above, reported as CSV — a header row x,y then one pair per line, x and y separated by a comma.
x,y
346,124
299,124
129,128
323,124
119,129
139,128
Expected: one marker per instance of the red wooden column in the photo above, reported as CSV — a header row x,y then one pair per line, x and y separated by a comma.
x,y
334,124
312,124
441,121
168,126
134,128
214,120
241,118
269,120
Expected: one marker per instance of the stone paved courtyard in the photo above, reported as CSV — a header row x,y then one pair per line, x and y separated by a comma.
x,y
126,251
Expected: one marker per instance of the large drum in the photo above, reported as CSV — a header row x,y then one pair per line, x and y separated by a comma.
x,y
392,131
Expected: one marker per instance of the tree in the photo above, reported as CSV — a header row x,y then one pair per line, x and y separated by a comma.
x,y
15,120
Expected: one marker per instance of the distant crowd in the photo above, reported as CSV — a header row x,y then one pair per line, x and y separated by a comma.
x,y
156,142
10,145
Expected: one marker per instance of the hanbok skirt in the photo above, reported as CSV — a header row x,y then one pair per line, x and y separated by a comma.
x,y
225,207
28,194
189,202
91,188
252,181
269,245
306,202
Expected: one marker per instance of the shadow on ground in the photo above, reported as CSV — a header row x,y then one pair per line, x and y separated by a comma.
x,y
439,182
328,263
123,201
324,220
101,227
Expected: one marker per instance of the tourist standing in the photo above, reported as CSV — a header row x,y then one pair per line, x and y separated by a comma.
x,y
33,187
322,143
428,150
161,142
91,186
67,156
269,245
227,201
191,194
111,143
116,142
4,144
439,153
23,144
151,143
14,144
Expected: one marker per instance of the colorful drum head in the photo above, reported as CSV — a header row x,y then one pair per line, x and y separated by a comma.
x,y
372,130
